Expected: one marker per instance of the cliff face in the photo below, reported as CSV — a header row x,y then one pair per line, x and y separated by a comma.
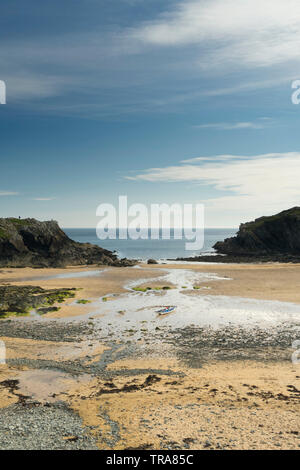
x,y
28,242
278,234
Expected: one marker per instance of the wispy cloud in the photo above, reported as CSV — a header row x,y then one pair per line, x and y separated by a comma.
x,y
268,181
8,193
124,70
227,126
43,198
31,86
250,32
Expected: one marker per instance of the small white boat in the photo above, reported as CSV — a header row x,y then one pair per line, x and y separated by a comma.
x,y
166,310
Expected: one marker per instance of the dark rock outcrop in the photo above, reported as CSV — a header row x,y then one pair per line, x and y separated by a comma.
x,y
19,300
242,259
267,236
29,242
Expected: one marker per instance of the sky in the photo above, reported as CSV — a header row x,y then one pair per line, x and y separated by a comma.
x,y
165,102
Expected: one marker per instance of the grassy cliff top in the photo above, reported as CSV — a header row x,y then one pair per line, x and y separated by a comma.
x,y
293,212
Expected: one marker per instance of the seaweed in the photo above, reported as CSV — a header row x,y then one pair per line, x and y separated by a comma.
x,y
21,300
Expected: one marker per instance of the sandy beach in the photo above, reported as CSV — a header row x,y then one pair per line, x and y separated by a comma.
x,y
150,227
279,282
112,374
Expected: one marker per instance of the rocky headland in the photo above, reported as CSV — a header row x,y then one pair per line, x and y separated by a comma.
x,y
266,239
31,243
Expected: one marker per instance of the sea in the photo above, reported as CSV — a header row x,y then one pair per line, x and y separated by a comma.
x,y
157,249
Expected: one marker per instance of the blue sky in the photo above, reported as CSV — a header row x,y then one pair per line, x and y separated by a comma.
x,y
175,101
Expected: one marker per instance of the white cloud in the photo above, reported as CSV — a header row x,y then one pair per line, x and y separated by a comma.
x,y
249,32
204,34
31,86
8,193
233,126
118,70
259,184
43,198
217,158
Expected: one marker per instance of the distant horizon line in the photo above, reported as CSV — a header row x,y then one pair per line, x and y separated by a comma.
x,y
154,228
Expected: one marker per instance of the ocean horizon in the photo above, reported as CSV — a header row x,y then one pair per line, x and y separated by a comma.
x,y
157,249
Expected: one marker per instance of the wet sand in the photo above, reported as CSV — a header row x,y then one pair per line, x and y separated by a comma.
x,y
158,384
259,281
105,281
256,281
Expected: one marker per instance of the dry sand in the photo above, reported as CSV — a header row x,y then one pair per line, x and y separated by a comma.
x,y
272,281
241,405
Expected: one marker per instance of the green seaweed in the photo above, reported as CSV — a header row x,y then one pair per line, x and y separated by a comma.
x,y
141,289
21,300
8,314
83,301
145,289
59,297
